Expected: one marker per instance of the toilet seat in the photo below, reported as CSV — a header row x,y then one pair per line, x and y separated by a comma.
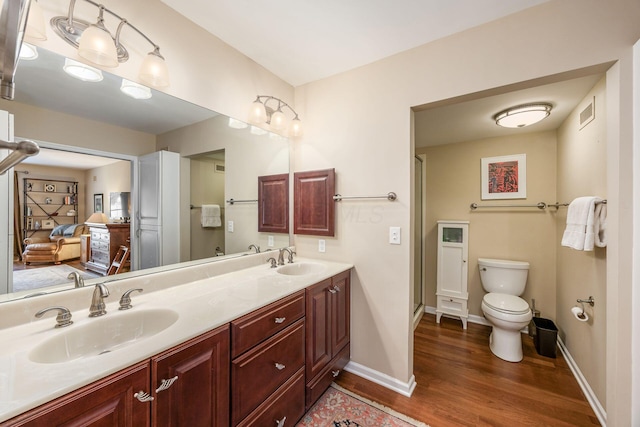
x,y
504,303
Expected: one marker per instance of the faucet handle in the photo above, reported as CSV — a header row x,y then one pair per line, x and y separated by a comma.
x,y
62,319
291,254
125,300
272,260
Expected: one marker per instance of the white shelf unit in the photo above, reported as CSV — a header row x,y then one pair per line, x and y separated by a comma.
x,y
453,270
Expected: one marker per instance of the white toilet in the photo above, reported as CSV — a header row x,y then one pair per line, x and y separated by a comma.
x,y
502,307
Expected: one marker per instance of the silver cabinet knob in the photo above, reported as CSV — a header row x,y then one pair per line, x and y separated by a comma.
x,y
280,423
280,319
280,366
143,396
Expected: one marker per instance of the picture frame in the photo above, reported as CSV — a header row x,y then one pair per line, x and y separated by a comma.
x,y
504,177
47,224
50,188
98,205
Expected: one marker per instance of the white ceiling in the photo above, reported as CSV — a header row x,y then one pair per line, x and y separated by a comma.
x,y
305,40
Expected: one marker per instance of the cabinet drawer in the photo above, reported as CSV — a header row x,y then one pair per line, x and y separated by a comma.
x,y
452,305
286,403
99,235
98,245
260,371
255,327
323,380
99,257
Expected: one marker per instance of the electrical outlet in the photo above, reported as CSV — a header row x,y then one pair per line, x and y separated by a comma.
x,y
321,245
270,241
230,226
394,235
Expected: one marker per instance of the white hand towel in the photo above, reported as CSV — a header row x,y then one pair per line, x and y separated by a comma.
x,y
580,233
600,226
210,216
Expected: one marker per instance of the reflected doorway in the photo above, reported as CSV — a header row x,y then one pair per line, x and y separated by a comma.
x,y
418,238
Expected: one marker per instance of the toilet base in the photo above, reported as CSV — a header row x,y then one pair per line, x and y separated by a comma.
x,y
507,345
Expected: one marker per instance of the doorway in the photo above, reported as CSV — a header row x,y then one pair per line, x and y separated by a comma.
x,y
419,240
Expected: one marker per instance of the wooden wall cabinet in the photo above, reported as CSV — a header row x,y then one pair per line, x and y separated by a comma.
x,y
314,208
273,203
328,324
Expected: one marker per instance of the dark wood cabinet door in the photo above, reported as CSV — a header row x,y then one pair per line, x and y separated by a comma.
x,y
318,327
340,292
200,394
314,208
273,203
105,403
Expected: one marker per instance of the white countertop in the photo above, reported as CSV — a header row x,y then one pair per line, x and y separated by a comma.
x,y
202,305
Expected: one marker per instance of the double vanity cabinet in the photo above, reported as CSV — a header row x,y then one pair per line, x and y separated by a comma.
x,y
264,368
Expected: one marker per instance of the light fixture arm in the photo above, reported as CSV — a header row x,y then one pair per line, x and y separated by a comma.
x,y
20,151
281,104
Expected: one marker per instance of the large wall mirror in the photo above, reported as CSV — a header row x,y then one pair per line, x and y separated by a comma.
x,y
222,158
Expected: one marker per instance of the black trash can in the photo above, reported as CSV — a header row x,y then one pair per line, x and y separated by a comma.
x,y
545,337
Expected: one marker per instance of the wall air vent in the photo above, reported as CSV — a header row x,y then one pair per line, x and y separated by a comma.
x,y
219,168
588,113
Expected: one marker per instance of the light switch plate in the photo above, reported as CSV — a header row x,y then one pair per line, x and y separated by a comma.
x,y
270,241
321,245
230,226
394,235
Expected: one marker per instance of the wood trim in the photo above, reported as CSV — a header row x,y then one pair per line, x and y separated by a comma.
x,y
314,208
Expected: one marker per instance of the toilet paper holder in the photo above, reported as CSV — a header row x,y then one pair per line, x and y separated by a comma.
x,y
582,302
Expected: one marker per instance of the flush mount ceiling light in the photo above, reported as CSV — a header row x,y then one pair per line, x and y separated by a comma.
x,y
96,44
81,71
28,52
274,117
522,115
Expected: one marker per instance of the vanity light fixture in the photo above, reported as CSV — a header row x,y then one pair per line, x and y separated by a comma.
x,y
274,117
523,115
96,44
81,71
28,52
135,90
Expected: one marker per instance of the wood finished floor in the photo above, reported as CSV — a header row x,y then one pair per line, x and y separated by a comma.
x,y
461,383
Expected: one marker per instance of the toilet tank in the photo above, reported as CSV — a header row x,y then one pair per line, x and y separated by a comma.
x,y
503,276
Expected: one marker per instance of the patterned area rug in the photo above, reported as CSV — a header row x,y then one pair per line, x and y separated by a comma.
x,y
34,278
338,407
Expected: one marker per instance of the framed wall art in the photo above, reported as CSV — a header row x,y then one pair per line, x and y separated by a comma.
x,y
97,203
504,177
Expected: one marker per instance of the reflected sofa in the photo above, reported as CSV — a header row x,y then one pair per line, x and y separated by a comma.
x,y
62,244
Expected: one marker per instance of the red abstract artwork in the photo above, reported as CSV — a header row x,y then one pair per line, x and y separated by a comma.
x,y
503,177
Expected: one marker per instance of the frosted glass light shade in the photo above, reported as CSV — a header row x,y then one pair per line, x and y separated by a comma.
x,y
81,71
522,115
295,128
97,46
154,71
257,113
135,90
28,52
278,120
237,124
36,28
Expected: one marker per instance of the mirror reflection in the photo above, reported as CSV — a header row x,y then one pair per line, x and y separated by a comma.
x,y
220,159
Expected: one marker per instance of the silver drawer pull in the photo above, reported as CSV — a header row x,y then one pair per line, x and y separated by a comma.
x,y
335,373
165,384
336,288
280,423
280,319
280,366
333,291
143,396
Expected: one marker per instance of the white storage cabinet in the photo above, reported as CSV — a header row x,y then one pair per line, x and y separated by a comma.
x,y
453,269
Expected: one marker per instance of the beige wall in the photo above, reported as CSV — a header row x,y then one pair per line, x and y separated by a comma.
x,y
582,171
525,234
115,177
207,187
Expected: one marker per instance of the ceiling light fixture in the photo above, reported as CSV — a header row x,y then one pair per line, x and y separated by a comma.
x,y
274,117
81,71
28,52
135,90
96,44
522,115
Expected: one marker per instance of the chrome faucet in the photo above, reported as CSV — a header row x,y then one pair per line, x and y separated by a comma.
x,y
256,248
77,279
98,307
62,319
281,256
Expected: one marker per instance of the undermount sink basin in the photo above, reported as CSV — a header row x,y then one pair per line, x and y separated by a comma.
x,y
102,335
300,268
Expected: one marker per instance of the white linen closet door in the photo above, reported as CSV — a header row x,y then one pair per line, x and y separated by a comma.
x,y
158,213
6,209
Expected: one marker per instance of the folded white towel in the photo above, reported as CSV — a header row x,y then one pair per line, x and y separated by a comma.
x,y
600,226
580,232
210,216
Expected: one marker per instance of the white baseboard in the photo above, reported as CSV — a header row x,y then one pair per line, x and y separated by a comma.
x,y
584,385
472,317
405,389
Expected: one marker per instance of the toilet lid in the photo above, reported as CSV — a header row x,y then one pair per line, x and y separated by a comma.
x,y
506,303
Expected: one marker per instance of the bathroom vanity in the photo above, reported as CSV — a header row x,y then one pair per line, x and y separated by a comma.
x,y
255,346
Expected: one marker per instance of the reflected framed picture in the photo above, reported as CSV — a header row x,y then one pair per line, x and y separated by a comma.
x,y
98,206
504,177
